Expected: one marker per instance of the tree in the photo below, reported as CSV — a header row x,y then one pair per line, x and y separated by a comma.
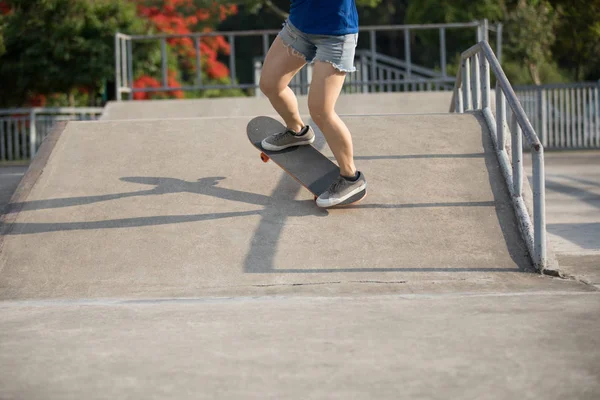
x,y
185,17
577,45
61,46
531,27
426,49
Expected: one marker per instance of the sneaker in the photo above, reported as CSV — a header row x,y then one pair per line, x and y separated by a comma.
x,y
289,138
343,191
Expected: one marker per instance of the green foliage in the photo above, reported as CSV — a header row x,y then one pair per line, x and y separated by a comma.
x,y
531,28
58,46
577,45
426,43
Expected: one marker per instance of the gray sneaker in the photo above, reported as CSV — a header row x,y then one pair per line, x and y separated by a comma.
x,y
289,138
343,191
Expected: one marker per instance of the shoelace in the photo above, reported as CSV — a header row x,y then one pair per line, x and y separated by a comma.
x,y
279,136
335,185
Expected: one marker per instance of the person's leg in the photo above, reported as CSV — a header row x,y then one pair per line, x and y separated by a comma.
x,y
324,91
280,66
334,58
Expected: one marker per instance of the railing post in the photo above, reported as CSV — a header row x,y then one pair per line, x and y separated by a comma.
x,y
373,57
499,42
232,70
476,88
364,73
257,71
163,54
458,98
500,117
124,77
130,67
117,67
32,134
517,156
407,54
485,81
443,51
466,86
539,209
543,116
198,61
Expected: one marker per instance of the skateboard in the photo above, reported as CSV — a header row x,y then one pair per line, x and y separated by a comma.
x,y
307,165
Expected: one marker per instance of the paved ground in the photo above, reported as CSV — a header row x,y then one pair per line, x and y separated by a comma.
x,y
573,211
507,345
136,268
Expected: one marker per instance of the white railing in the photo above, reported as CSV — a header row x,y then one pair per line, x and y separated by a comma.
x,y
258,42
472,92
566,116
22,130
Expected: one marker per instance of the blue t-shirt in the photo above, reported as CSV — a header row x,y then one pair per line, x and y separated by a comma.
x,y
324,17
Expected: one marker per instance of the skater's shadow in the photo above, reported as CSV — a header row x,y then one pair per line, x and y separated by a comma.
x,y
279,204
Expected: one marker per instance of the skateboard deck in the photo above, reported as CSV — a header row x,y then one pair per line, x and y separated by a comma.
x,y
307,165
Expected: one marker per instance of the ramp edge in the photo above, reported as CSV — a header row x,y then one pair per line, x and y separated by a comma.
x,y
14,206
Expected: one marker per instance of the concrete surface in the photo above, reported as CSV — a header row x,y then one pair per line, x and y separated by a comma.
x,y
163,259
188,208
369,103
542,345
573,211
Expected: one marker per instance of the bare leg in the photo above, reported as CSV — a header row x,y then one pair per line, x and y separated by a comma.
x,y
324,91
280,66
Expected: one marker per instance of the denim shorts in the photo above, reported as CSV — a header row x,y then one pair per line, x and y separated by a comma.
x,y
336,50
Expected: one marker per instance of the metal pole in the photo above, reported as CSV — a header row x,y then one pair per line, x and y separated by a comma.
x,y
407,53
443,50
499,42
198,62
476,89
265,43
32,134
130,67
543,107
364,73
467,84
373,55
485,81
124,63
539,209
485,28
500,116
2,145
597,112
117,68
232,59
163,53
517,157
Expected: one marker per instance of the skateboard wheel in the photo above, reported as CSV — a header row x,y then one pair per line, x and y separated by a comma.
x,y
264,157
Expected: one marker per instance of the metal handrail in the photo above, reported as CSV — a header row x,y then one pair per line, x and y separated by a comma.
x,y
472,92
124,53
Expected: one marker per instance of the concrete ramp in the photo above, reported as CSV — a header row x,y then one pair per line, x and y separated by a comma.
x,y
370,103
171,208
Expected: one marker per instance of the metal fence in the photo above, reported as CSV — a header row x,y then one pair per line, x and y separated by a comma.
x,y
472,92
375,74
566,116
389,75
22,130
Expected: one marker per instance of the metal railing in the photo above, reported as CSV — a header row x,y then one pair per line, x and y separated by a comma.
x,y
124,68
389,75
566,116
472,92
22,130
